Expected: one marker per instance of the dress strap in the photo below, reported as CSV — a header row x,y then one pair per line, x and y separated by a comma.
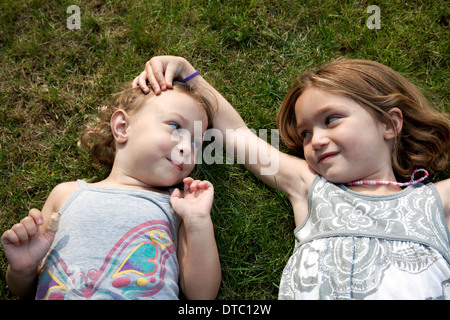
x,y
82,183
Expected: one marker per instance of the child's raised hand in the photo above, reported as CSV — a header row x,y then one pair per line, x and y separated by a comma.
x,y
24,244
160,72
196,202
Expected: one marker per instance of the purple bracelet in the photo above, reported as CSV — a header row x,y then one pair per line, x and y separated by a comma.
x,y
190,77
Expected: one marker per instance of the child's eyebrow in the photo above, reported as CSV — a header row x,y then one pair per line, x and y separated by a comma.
x,y
319,112
177,115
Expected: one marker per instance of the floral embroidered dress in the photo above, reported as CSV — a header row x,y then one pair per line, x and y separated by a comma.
x,y
356,246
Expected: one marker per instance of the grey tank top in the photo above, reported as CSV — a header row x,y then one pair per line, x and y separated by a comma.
x,y
357,246
113,243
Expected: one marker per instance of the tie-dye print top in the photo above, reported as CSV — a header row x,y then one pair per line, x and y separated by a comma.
x,y
112,243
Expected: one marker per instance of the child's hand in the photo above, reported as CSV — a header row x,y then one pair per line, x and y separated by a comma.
x,y
196,203
161,71
24,244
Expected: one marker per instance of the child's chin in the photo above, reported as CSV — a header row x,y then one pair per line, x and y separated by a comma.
x,y
334,179
176,182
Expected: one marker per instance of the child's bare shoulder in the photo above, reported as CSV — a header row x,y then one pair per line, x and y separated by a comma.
x,y
60,194
65,187
57,197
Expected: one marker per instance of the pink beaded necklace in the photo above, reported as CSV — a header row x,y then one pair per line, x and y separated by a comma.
x,y
399,184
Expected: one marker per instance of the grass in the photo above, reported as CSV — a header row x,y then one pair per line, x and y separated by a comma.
x,y
52,78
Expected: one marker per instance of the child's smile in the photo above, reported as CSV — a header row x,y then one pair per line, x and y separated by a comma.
x,y
159,147
327,157
341,140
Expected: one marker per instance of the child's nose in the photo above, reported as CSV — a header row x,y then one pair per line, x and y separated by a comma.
x,y
319,139
181,145
184,147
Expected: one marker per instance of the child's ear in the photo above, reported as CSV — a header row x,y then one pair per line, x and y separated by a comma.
x,y
119,126
394,127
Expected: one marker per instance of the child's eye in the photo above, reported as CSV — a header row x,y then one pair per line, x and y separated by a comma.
x,y
175,125
305,134
331,119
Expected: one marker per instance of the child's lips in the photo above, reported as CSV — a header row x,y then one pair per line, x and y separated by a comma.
x,y
178,166
326,157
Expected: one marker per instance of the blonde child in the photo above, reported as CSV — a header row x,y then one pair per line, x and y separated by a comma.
x,y
364,130
129,236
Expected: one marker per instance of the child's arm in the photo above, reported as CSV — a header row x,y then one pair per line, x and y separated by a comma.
x,y
289,174
200,272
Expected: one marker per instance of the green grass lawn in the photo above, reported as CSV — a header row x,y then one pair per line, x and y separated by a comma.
x,y
52,78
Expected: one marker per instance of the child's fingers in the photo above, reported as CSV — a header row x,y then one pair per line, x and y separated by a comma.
x,y
20,232
174,197
155,74
30,226
134,84
141,81
187,181
191,183
204,184
149,76
176,193
168,77
10,237
37,216
154,84
196,184
157,66
199,184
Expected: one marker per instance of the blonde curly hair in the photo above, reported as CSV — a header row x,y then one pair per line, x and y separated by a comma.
x,y
98,137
